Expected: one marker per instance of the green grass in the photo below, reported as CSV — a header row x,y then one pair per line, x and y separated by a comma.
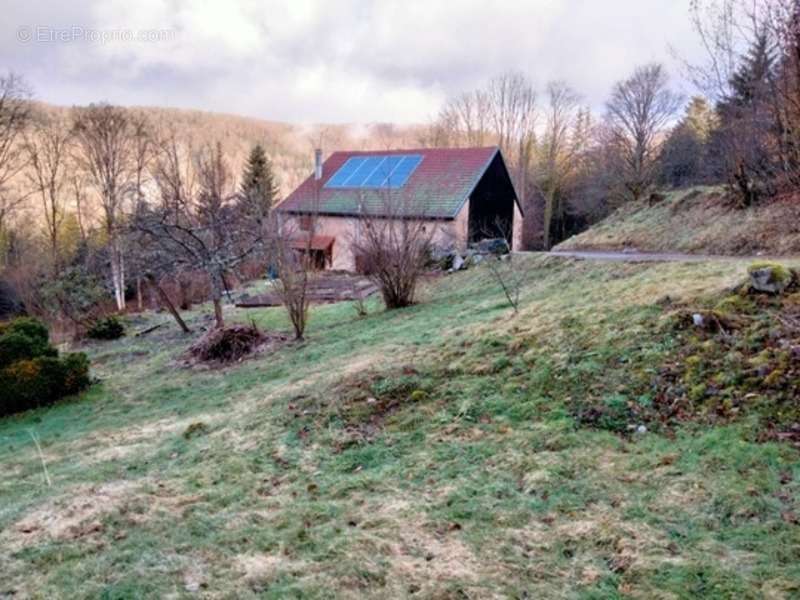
x,y
435,452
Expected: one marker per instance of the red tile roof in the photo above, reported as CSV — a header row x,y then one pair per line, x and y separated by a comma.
x,y
438,187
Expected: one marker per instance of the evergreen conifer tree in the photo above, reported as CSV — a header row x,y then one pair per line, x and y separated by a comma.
x,y
258,189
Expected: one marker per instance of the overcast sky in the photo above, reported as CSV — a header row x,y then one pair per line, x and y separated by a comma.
x,y
328,61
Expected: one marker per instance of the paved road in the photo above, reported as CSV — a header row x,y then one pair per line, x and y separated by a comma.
x,y
613,256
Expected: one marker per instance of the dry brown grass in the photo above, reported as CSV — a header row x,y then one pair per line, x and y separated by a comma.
x,y
699,221
71,516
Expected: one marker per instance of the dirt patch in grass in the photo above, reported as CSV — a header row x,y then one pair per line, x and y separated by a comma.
x,y
121,443
259,569
69,517
421,556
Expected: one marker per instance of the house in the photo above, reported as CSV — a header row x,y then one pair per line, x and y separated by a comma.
x,y
463,194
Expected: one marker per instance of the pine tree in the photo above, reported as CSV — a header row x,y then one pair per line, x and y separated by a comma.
x,y
750,84
258,190
748,125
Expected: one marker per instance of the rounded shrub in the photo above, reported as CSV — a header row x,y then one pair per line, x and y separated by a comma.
x,y
16,346
22,386
31,372
107,328
76,372
28,326
22,339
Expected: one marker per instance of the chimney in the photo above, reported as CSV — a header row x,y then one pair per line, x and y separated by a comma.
x,y
318,164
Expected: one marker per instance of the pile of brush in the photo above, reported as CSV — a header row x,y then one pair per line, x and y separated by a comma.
x,y
228,344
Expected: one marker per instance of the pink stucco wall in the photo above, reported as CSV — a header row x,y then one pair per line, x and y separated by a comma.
x,y
452,232
516,230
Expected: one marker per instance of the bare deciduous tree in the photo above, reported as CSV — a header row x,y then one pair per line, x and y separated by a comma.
x,y
512,100
197,223
15,114
504,112
48,146
637,114
562,140
465,120
109,145
77,184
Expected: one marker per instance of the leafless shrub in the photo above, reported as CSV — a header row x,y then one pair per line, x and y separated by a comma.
x,y
507,271
392,245
360,306
293,267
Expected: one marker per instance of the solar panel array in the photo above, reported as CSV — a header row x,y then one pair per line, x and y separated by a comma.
x,y
390,171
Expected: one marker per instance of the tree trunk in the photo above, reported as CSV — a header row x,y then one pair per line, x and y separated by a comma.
x,y
139,298
549,209
217,286
220,320
118,274
168,303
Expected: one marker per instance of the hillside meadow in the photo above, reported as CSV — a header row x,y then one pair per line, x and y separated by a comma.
x,y
697,220
447,450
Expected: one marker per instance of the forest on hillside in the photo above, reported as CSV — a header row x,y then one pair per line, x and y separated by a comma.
x,y
81,188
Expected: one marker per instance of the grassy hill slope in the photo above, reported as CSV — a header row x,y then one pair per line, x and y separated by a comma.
x,y
449,450
697,220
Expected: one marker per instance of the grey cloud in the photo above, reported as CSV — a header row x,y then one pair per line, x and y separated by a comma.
x,y
354,60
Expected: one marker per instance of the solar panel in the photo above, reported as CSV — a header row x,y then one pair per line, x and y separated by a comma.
x,y
358,178
404,170
345,172
383,171
389,171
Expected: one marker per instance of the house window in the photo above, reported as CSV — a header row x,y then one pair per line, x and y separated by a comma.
x,y
305,222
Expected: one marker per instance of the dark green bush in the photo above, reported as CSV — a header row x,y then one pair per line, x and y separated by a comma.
x,y
31,372
107,328
33,328
16,346
76,372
